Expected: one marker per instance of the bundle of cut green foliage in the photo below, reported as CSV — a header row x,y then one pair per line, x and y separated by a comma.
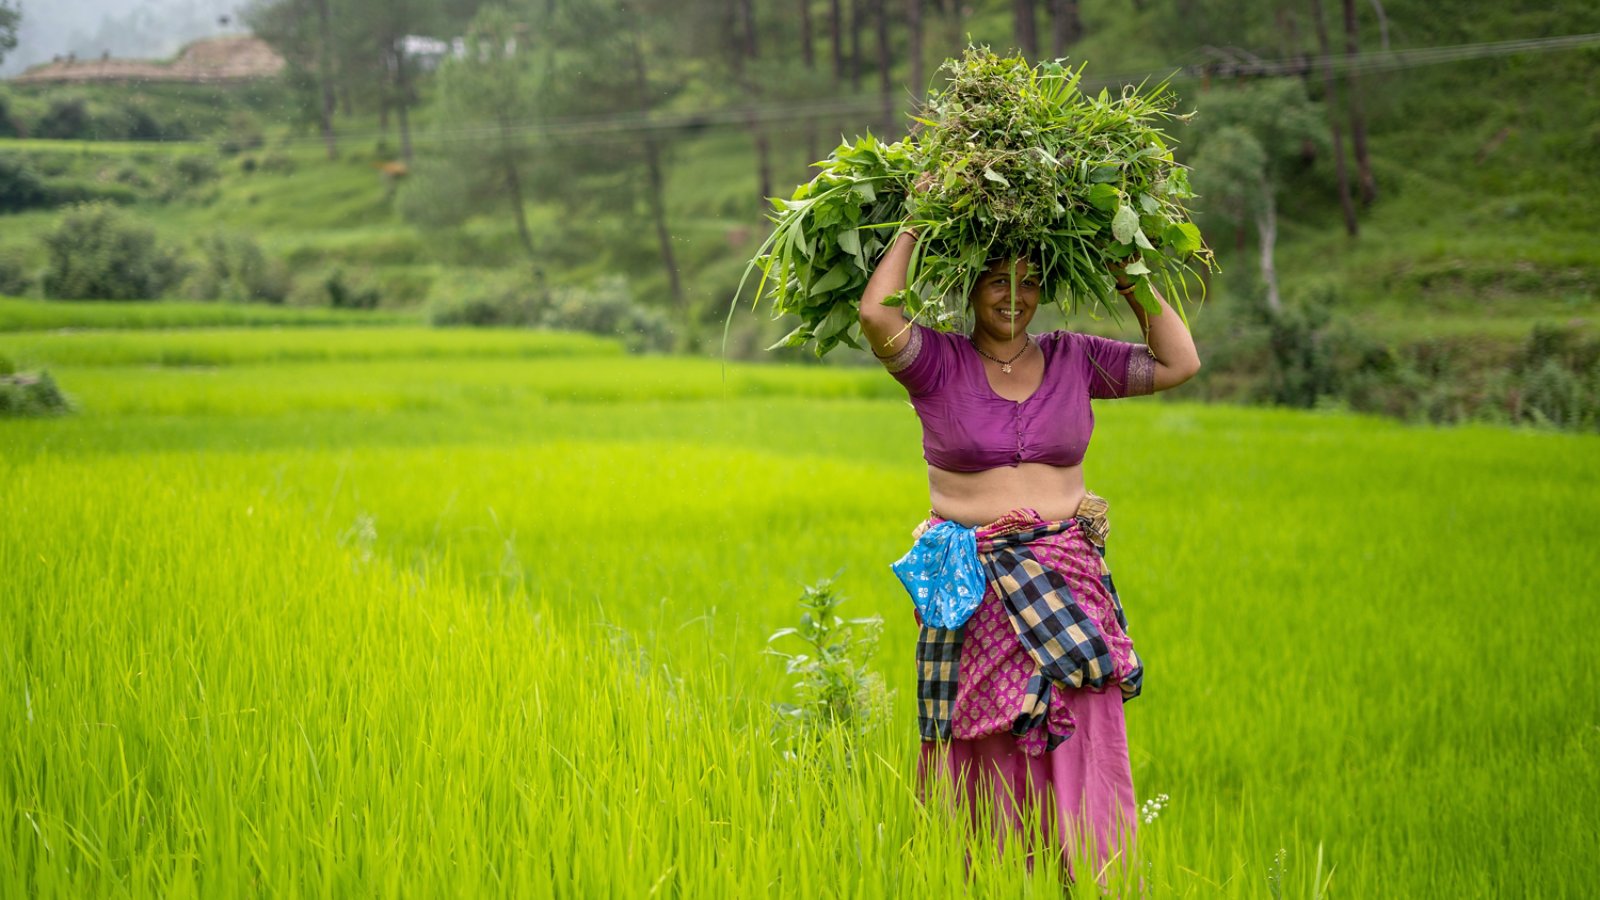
x,y
1009,161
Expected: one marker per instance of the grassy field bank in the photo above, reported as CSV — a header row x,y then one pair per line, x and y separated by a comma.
x,y
350,612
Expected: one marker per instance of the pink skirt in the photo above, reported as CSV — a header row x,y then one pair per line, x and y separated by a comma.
x,y
1080,793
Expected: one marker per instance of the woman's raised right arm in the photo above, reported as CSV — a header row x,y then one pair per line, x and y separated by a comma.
x,y
885,328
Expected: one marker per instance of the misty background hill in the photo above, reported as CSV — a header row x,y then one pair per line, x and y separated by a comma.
x,y
139,29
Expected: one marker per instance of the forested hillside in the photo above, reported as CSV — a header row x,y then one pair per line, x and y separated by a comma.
x,y
1396,194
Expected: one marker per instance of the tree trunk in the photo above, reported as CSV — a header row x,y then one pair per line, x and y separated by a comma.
x,y
763,166
748,51
808,52
655,197
1330,85
836,39
880,15
855,43
747,29
402,87
956,21
808,57
1383,26
1066,26
1025,29
1289,30
655,183
325,75
1267,232
1358,119
919,86
513,180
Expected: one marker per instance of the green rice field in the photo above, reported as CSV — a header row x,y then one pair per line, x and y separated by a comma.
x,y
342,611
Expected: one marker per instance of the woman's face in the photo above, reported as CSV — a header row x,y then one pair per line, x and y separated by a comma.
x,y
1004,299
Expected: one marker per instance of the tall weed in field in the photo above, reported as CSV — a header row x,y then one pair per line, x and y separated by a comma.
x,y
833,685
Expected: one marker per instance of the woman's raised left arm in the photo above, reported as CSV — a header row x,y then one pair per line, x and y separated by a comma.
x,y
1169,340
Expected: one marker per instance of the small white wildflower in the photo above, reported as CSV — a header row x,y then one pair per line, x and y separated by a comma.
x,y
1151,810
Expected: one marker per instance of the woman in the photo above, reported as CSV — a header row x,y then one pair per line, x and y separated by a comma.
x,y
1023,657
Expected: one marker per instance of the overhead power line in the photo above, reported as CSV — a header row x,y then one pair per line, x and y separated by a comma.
x,y
1384,60
834,108
617,127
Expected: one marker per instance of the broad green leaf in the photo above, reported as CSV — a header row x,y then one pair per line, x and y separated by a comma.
x,y
1148,203
1182,237
1104,174
849,241
1137,267
837,277
1104,197
995,177
1146,296
1124,224
795,338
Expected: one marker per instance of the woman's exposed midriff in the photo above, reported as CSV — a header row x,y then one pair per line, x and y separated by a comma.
x,y
977,498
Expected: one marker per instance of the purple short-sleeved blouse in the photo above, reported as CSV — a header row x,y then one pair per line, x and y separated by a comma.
x,y
967,427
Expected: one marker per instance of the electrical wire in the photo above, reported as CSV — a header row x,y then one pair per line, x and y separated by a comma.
x,y
869,104
627,126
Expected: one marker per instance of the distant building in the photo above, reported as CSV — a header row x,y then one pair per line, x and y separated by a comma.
x,y
221,60
428,52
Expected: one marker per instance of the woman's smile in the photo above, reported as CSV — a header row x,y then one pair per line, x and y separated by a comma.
x,y
1005,299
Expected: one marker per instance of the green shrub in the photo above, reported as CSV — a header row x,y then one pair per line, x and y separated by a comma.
x,y
233,269
135,122
1302,367
10,127
242,134
1555,380
344,294
606,308
67,191
403,287
132,176
277,164
194,168
20,187
30,394
14,279
97,252
67,119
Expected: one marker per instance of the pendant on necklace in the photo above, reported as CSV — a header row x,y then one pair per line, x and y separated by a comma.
x,y
1006,369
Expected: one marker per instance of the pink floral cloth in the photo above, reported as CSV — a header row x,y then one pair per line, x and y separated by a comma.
x,y
995,668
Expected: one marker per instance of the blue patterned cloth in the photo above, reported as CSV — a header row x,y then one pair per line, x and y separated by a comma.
x,y
942,574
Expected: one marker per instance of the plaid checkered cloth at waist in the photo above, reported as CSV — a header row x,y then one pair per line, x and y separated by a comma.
x,y
1063,640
